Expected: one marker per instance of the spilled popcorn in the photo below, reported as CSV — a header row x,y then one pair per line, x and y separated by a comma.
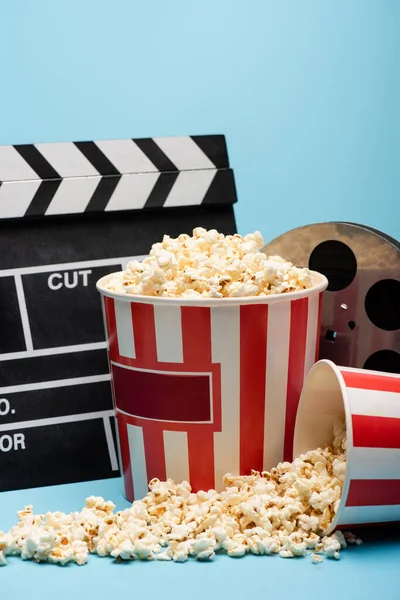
x,y
210,264
284,511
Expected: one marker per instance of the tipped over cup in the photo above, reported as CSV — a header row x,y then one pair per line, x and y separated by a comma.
x,y
369,403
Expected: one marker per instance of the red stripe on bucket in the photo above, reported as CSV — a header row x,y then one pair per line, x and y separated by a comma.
x,y
253,355
374,492
125,457
153,439
376,432
297,353
196,337
370,381
145,335
196,344
201,458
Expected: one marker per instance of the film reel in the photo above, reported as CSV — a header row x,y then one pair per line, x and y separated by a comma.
x,y
361,308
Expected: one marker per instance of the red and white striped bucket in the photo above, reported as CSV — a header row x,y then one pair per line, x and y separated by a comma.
x,y
206,387
369,403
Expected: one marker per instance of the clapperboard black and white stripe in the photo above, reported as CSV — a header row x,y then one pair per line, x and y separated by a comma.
x,y
69,214
114,175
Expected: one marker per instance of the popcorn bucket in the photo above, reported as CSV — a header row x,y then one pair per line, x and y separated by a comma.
x,y
203,387
369,403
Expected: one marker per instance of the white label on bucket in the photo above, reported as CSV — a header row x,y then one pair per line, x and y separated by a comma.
x,y
176,455
168,326
276,382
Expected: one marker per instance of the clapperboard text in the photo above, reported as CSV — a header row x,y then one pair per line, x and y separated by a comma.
x,y
49,360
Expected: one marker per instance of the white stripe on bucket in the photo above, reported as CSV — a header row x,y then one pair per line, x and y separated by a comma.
x,y
375,463
168,326
225,339
352,515
176,455
311,340
138,460
374,403
123,319
276,382
110,443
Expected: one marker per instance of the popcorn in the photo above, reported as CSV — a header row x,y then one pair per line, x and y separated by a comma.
x,y
210,265
297,548
178,551
316,559
331,547
284,511
351,539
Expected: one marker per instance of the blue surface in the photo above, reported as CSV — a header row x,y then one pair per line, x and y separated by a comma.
x,y
307,92
366,572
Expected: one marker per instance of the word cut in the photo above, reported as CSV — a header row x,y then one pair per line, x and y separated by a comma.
x,y
68,279
12,442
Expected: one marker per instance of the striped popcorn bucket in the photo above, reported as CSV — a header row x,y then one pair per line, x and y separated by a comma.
x,y
369,403
209,386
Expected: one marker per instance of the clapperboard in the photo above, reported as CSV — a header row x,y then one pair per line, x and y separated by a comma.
x,y
69,214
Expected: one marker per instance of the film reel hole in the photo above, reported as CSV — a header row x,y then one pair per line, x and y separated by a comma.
x,y
336,261
382,304
384,360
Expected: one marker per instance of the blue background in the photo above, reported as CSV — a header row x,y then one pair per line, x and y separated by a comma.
x,y
307,92
308,95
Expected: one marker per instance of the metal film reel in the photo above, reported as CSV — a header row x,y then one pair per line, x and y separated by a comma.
x,y
361,307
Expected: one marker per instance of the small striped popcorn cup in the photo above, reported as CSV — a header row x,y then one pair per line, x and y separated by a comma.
x,y
369,403
203,387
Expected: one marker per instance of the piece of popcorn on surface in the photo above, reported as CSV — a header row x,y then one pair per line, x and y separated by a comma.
x,y
316,559
330,547
178,551
211,265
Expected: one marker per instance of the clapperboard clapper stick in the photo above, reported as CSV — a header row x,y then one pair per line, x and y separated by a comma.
x,y
69,214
